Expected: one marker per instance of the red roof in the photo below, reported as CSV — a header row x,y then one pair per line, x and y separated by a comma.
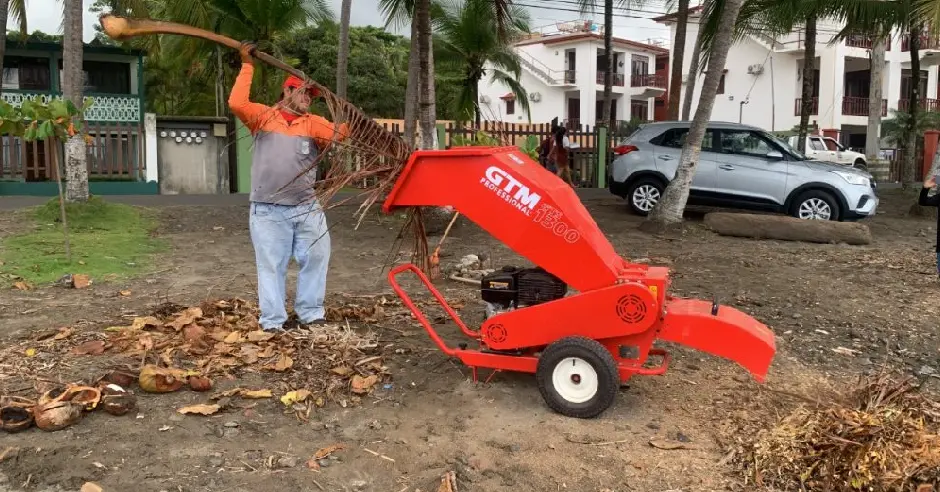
x,y
566,38
674,15
508,96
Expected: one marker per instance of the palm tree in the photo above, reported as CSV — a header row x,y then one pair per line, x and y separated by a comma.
x,y
879,45
692,77
342,57
12,9
678,55
590,6
73,79
668,211
469,42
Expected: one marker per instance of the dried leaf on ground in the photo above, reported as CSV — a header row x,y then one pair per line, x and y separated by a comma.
x,y
22,285
125,293
296,396
327,451
201,409
63,333
362,385
260,336
91,487
91,347
186,317
283,363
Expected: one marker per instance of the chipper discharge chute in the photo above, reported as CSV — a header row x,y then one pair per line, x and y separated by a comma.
x,y
580,346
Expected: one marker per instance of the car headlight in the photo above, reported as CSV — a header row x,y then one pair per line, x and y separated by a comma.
x,y
853,178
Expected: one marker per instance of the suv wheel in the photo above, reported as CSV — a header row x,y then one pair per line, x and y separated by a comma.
x,y
644,194
816,205
860,164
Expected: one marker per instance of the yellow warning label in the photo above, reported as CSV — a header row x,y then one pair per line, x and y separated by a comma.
x,y
654,290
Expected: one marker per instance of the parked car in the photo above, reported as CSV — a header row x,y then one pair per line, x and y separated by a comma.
x,y
741,167
829,150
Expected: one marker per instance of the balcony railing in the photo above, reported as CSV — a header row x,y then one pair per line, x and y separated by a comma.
x,y
858,106
648,80
925,105
926,43
570,76
616,78
106,107
857,41
798,106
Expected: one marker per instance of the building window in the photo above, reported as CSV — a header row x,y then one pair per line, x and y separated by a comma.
x,y
639,65
721,85
510,106
639,110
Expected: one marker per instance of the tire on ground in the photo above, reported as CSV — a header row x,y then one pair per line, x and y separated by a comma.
x,y
825,196
645,181
600,363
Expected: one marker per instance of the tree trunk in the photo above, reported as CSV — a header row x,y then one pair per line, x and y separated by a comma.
x,y
761,226
4,13
426,118
909,166
873,133
342,57
76,170
411,90
668,211
678,49
809,73
692,77
606,117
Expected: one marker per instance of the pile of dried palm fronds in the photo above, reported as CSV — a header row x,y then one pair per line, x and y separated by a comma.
x,y
884,435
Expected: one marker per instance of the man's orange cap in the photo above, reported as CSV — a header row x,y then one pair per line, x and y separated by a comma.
x,y
295,82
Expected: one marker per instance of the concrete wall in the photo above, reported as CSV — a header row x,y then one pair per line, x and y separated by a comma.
x,y
199,162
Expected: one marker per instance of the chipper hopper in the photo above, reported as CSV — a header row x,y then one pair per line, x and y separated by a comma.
x,y
580,345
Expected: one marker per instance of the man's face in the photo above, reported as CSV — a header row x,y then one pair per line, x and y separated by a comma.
x,y
297,100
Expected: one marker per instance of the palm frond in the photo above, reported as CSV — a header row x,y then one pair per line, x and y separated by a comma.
x,y
522,96
16,11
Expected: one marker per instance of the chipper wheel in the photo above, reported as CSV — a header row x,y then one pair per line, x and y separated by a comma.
x,y
577,377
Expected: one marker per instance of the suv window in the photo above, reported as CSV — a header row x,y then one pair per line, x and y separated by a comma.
x,y
744,142
675,138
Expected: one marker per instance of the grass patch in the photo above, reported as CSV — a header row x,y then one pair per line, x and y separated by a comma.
x,y
109,241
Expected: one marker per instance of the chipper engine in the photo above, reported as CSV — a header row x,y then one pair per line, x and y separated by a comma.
x,y
581,345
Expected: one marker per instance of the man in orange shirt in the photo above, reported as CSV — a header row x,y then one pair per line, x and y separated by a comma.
x,y
285,219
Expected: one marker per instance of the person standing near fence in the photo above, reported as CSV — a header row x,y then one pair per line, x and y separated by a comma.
x,y
559,154
927,200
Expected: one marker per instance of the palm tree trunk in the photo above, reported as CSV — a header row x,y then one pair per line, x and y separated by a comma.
x,y
426,117
872,135
4,13
411,90
76,170
668,211
692,77
809,73
606,117
909,167
678,49
342,57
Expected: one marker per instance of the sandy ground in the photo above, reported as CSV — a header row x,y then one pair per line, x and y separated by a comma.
x,y
881,301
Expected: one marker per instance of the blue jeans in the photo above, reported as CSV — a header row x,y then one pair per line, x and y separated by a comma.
x,y
279,232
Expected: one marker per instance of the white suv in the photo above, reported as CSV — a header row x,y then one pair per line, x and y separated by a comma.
x,y
827,149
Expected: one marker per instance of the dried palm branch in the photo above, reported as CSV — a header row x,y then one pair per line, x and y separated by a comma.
x,y
380,156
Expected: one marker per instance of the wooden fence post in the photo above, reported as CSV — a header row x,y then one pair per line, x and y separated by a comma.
x,y
441,137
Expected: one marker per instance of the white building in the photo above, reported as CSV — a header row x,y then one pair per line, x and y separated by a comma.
x,y
762,82
564,77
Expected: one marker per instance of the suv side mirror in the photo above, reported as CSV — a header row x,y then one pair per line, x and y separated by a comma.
x,y
774,154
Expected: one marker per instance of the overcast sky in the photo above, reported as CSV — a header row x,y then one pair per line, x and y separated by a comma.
x,y
45,15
